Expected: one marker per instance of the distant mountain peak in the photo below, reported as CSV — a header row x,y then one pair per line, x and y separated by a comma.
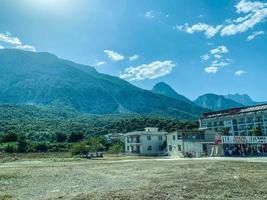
x,y
241,98
166,90
216,102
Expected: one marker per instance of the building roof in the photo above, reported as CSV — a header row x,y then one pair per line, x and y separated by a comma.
x,y
235,111
146,133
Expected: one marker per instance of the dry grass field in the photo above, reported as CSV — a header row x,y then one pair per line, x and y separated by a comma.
x,y
133,179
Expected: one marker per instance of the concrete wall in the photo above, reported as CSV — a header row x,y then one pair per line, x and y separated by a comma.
x,y
155,143
178,147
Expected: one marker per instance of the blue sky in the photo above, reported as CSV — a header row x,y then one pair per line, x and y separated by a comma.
x,y
196,46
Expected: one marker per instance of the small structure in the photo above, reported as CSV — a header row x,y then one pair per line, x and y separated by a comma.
x,y
150,142
190,143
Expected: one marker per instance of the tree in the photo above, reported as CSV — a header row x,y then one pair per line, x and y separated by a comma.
x,y
61,137
10,148
225,131
257,131
9,137
41,147
79,148
75,137
116,149
95,144
22,144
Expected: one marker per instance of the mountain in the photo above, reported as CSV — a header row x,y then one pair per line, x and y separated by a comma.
x,y
166,90
44,79
216,102
243,99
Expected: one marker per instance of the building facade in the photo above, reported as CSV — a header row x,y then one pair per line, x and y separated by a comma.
x,y
150,142
240,131
238,121
189,143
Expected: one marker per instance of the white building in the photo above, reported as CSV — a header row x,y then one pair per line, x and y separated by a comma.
x,y
189,142
151,142
239,121
243,131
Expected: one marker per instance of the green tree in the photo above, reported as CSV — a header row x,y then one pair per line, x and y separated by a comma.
x,y
10,148
22,144
75,137
79,148
9,137
94,144
116,149
61,137
225,131
257,131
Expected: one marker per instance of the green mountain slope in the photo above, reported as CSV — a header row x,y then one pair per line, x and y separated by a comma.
x,y
44,79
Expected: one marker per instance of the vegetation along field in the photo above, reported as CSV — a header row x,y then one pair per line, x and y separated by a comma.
x,y
218,179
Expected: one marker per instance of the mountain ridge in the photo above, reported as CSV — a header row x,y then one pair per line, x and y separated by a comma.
x,y
45,79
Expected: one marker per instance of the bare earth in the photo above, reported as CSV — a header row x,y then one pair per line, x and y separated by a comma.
x,y
217,178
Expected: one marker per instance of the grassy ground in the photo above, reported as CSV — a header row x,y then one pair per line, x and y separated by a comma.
x,y
133,179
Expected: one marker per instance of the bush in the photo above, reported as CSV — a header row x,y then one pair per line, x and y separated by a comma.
x,y
41,147
10,148
22,144
9,137
61,137
75,137
79,148
58,147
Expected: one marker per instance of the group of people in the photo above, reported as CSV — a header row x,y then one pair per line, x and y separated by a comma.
x,y
245,150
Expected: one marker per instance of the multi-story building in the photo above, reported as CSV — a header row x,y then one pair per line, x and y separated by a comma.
x,y
151,141
238,121
240,131
190,143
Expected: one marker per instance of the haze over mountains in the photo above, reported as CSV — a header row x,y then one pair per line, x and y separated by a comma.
x,y
44,79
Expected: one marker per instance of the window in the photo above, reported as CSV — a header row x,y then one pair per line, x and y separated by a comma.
x,y
173,137
170,147
149,137
179,147
160,137
149,148
128,148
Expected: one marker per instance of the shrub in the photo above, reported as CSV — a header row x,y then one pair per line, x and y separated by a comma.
x,y
9,137
22,144
41,147
61,137
79,148
75,137
10,148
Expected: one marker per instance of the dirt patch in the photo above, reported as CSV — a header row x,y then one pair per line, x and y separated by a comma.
x,y
145,179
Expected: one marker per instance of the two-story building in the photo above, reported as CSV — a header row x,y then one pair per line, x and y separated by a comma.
x,y
151,142
194,143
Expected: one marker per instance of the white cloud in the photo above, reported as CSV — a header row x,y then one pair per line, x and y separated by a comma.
x,y
7,38
134,57
98,63
1,47
219,50
211,69
217,56
255,13
239,72
15,42
150,14
25,48
205,57
208,30
254,35
114,56
148,71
